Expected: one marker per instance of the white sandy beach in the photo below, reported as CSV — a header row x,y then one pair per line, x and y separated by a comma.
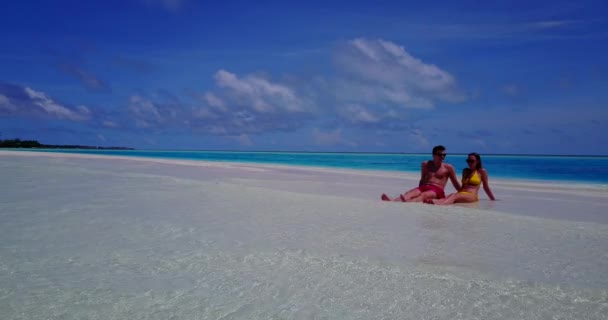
x,y
85,236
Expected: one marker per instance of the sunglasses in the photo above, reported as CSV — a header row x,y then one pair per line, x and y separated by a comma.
x,y
441,154
470,160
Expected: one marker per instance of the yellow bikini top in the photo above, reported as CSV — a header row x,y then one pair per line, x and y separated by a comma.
x,y
472,180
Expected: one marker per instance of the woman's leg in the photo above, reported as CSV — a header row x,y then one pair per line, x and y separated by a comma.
x,y
456,198
447,200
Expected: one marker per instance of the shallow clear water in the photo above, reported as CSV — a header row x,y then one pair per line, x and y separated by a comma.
x,y
549,168
83,238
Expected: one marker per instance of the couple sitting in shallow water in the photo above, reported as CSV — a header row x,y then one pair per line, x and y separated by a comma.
x,y
435,175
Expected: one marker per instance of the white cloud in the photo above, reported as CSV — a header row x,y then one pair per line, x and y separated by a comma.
x,y
247,104
376,81
16,100
83,109
374,95
101,137
5,103
146,113
358,114
382,72
214,101
262,95
242,117
51,107
143,107
428,76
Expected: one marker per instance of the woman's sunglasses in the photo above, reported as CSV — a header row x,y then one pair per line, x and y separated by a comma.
x,y
470,160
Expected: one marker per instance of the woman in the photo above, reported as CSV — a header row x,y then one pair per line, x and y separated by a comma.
x,y
472,177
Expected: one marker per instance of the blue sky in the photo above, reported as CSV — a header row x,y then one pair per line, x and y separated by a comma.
x,y
403,76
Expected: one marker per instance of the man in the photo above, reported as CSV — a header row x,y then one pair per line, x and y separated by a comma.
x,y
434,177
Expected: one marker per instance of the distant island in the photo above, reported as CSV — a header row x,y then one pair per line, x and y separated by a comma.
x,y
18,143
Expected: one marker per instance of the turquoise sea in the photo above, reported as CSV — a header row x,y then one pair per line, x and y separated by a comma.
x,y
580,169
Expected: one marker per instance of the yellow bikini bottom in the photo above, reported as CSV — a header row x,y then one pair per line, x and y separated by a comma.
x,y
466,192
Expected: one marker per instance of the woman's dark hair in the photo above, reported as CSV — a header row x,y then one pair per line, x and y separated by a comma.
x,y
478,157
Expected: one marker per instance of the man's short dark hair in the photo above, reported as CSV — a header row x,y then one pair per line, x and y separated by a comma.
x,y
438,148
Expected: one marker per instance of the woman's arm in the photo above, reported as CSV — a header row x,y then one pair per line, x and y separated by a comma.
x,y
486,186
465,173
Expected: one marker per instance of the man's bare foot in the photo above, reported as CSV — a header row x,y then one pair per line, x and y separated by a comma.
x,y
384,197
402,198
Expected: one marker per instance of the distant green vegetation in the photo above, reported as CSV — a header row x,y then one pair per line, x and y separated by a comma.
x,y
18,143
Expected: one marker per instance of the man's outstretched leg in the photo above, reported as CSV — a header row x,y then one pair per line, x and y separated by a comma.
x,y
424,196
408,196
402,197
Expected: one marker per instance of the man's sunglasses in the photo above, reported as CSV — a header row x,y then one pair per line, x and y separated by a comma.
x,y
441,154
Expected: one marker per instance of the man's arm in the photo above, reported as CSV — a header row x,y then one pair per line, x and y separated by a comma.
x,y
454,178
423,166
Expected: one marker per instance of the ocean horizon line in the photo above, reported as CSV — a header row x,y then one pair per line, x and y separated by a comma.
x,y
583,169
322,152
